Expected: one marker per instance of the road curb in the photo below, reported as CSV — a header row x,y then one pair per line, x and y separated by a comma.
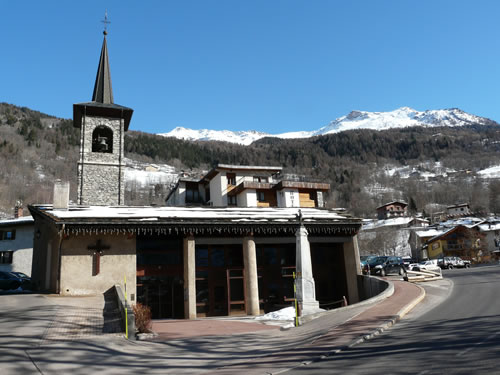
x,y
401,313
389,291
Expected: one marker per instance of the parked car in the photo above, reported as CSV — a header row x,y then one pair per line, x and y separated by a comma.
x,y
426,265
407,261
451,262
384,265
364,259
9,281
363,262
26,282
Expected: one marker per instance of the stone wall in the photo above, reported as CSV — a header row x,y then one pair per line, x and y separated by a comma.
x,y
369,286
100,174
100,184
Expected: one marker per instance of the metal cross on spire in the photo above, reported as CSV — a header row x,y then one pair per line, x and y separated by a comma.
x,y
105,22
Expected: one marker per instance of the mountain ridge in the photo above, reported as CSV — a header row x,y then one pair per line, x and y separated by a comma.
x,y
399,118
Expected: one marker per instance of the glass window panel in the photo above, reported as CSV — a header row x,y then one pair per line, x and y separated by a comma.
x,y
235,273
287,256
201,274
234,257
201,257
219,294
237,293
270,255
166,258
201,291
217,257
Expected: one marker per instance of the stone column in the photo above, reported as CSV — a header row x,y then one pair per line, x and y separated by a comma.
x,y
251,278
189,278
352,269
306,292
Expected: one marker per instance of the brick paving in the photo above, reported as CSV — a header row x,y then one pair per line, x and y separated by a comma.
x,y
177,329
335,338
82,317
208,345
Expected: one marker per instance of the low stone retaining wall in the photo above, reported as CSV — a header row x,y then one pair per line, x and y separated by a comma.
x,y
129,316
369,287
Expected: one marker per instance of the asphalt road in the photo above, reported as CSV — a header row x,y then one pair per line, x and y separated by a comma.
x,y
449,333
23,320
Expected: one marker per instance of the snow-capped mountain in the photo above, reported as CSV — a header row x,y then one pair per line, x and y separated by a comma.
x,y
399,118
241,137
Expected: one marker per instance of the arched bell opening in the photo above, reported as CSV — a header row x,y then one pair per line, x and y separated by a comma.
x,y
102,140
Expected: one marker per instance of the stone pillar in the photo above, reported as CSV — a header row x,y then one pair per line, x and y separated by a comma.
x,y
189,278
306,292
251,278
352,269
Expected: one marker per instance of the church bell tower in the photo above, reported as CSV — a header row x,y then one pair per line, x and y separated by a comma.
x,y
102,125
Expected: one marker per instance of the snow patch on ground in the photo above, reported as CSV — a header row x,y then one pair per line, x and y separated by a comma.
x,y
288,313
424,171
147,174
376,189
492,172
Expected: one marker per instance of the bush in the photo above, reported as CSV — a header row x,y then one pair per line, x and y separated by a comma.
x,y
142,318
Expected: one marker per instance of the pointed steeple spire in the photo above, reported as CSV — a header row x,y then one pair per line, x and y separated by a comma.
x,y
103,92
102,104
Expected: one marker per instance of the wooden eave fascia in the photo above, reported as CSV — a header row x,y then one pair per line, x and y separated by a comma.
x,y
249,185
248,168
302,185
210,174
209,227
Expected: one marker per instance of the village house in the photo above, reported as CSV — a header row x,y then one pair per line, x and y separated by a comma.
x,y
390,236
248,186
458,210
461,240
418,239
16,243
491,230
392,209
216,258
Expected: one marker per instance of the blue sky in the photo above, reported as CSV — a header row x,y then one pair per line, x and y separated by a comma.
x,y
268,65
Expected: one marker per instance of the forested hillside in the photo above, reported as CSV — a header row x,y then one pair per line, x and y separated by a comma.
x,y
353,162
36,149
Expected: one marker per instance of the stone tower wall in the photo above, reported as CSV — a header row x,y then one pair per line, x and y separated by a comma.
x,y
100,175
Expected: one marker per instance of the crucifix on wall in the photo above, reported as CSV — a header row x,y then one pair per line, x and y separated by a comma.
x,y
96,256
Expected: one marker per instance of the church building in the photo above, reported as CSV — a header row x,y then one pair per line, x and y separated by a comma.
x,y
202,260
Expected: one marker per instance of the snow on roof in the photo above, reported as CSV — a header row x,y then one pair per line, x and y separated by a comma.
x,y
465,221
19,221
486,227
429,233
249,167
443,233
161,213
388,222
